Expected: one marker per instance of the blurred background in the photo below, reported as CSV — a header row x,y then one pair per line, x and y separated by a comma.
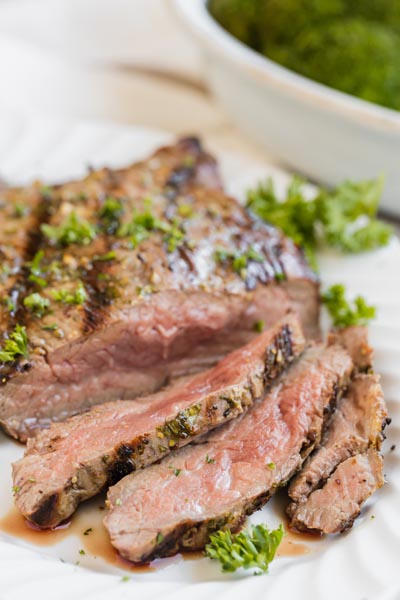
x,y
130,61
154,62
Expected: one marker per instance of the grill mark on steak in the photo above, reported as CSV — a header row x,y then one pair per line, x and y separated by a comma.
x,y
76,459
154,513
151,314
356,427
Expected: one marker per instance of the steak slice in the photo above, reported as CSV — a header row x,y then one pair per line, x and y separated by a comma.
x,y
356,425
179,502
73,461
150,272
330,476
333,508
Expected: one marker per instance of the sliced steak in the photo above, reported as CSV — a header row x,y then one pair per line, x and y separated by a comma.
x,y
73,461
149,273
178,503
356,425
333,508
328,493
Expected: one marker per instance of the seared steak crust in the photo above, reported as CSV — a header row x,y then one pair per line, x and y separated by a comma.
x,y
178,503
73,461
174,273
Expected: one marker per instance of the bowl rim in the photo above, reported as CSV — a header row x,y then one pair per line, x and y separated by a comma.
x,y
195,14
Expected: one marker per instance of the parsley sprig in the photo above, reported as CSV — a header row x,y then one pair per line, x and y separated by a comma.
x,y
73,230
140,226
37,304
344,313
344,218
15,345
253,549
77,296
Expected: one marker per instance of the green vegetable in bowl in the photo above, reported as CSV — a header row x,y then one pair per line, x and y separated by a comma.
x,y
352,46
352,55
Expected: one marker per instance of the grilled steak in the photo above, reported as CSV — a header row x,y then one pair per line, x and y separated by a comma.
x,y
143,274
74,460
334,507
178,503
355,427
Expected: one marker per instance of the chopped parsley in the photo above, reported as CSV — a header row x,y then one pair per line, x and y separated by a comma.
x,y
253,549
82,552
159,537
73,230
271,465
259,326
15,345
105,257
53,327
110,214
87,531
343,218
36,304
15,489
185,211
78,296
210,461
10,304
177,472
140,226
36,271
344,313
238,260
20,210
125,578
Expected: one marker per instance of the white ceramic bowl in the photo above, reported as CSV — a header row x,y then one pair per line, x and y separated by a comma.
x,y
322,133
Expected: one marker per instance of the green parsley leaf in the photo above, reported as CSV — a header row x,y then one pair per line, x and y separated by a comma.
x,y
105,257
159,537
36,304
15,345
253,549
110,214
177,472
238,260
20,210
79,296
342,312
259,326
10,304
36,271
74,230
344,218
139,227
210,461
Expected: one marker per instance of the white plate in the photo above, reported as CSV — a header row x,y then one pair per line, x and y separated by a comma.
x,y
360,564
